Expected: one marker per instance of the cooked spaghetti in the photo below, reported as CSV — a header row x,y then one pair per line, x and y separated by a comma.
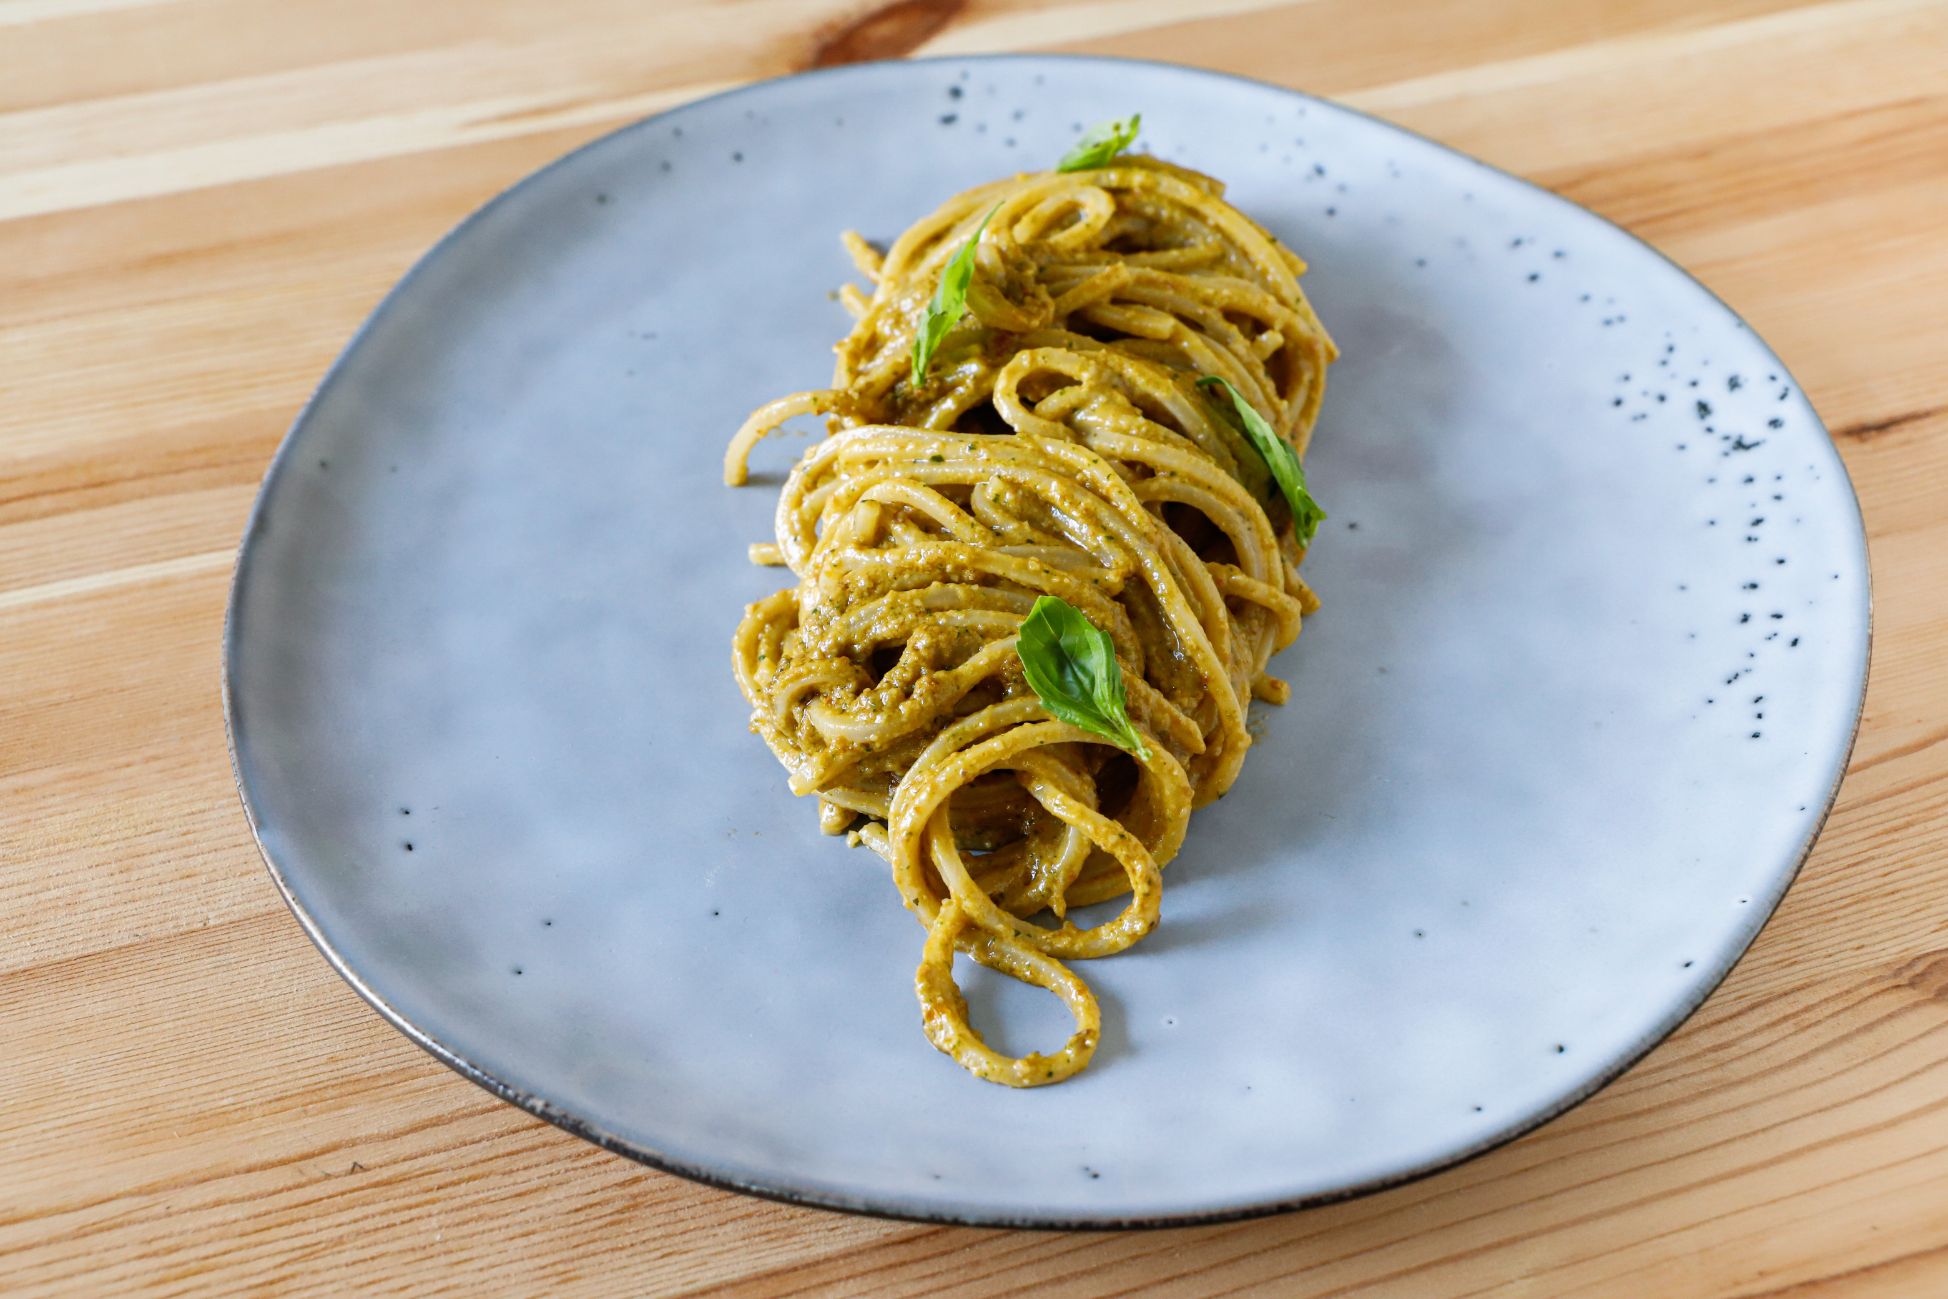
x,y
1058,444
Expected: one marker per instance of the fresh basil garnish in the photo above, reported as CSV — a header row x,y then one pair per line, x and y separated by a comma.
x,y
1101,143
949,301
1279,457
1072,668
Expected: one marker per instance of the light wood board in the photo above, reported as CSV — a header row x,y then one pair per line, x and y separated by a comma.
x,y
200,199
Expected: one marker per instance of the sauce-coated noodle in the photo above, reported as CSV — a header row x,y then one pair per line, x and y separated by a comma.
x,y
1059,446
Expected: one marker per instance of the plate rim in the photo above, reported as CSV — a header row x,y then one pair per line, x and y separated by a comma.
x,y
887,1207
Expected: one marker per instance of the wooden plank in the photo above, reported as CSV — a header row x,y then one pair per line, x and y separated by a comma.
x,y
199,199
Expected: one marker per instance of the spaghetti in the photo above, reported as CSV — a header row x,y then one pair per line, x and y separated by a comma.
x,y
1057,445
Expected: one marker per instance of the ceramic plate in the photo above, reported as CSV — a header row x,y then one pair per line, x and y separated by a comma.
x,y
1589,666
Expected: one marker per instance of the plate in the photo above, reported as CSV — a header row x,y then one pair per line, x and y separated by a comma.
x,y
1587,674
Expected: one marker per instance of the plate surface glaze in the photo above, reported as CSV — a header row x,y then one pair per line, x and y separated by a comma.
x,y
1588,670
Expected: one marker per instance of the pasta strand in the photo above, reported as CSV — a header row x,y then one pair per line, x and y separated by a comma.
x,y
1058,446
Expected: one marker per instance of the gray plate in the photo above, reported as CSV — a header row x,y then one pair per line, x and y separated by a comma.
x,y
1590,663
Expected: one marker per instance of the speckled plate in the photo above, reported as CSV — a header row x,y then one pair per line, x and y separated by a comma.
x,y
1590,662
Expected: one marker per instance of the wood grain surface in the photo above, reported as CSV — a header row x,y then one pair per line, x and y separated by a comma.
x,y
200,199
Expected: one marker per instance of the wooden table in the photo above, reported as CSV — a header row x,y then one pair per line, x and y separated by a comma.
x,y
199,200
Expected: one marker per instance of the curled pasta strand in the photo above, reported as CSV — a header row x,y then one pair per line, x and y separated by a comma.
x,y
1057,445
943,1010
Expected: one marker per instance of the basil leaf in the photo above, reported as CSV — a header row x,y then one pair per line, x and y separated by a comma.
x,y
949,301
1072,668
1280,458
1100,143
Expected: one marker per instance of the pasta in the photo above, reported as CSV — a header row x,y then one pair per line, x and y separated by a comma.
x,y
1057,445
